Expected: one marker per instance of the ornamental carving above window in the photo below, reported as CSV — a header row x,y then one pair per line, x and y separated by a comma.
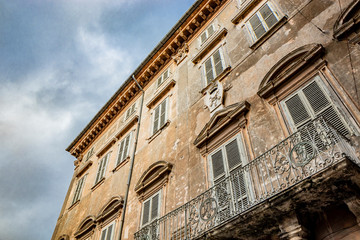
x,y
347,26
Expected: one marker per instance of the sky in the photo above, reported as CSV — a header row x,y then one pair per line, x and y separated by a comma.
x,y
60,61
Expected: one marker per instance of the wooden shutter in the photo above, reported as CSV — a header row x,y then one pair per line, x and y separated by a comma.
x,y
146,212
218,62
256,25
203,37
218,168
126,148
155,206
109,232
209,71
166,74
322,106
233,154
103,167
121,152
210,30
99,171
163,113
156,119
103,234
297,110
268,15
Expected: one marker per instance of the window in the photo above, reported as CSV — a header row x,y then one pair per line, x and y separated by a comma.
x,y
310,102
102,168
124,149
160,116
208,32
213,66
262,21
78,191
151,209
130,111
89,154
165,75
227,161
107,233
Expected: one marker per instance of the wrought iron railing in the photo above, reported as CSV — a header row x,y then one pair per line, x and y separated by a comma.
x,y
308,151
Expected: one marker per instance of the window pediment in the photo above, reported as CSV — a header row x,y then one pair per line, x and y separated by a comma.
x,y
157,173
288,67
222,119
86,226
348,21
110,208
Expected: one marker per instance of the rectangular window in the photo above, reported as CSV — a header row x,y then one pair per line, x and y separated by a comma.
x,y
151,209
107,233
130,111
89,154
160,116
78,191
124,148
227,161
165,75
310,102
214,66
102,168
208,32
262,21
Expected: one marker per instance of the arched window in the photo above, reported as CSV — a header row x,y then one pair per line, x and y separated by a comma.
x,y
86,228
347,25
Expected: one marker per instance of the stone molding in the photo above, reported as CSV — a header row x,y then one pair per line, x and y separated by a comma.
x,y
222,119
288,67
64,237
348,22
110,210
84,168
86,226
154,178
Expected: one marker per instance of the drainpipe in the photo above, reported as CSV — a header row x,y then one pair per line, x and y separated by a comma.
x,y
132,159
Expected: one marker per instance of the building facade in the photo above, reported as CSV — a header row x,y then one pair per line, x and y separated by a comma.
x,y
242,123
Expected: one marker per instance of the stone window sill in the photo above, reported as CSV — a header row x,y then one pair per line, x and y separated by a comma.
x,y
269,33
121,164
98,184
157,133
218,78
74,204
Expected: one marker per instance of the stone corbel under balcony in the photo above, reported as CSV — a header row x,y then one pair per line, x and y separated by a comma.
x,y
83,168
164,90
209,45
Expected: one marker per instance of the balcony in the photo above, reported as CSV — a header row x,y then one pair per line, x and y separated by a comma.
x,y
312,159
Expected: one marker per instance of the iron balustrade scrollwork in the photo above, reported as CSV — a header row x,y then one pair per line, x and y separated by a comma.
x,y
313,148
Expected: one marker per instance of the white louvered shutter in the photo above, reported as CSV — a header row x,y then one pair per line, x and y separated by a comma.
x,y
121,151
126,147
209,71
268,15
156,119
234,161
103,234
155,206
311,102
218,167
163,113
109,232
146,212
256,25
218,63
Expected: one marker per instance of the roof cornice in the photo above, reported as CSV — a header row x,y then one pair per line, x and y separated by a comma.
x,y
184,30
